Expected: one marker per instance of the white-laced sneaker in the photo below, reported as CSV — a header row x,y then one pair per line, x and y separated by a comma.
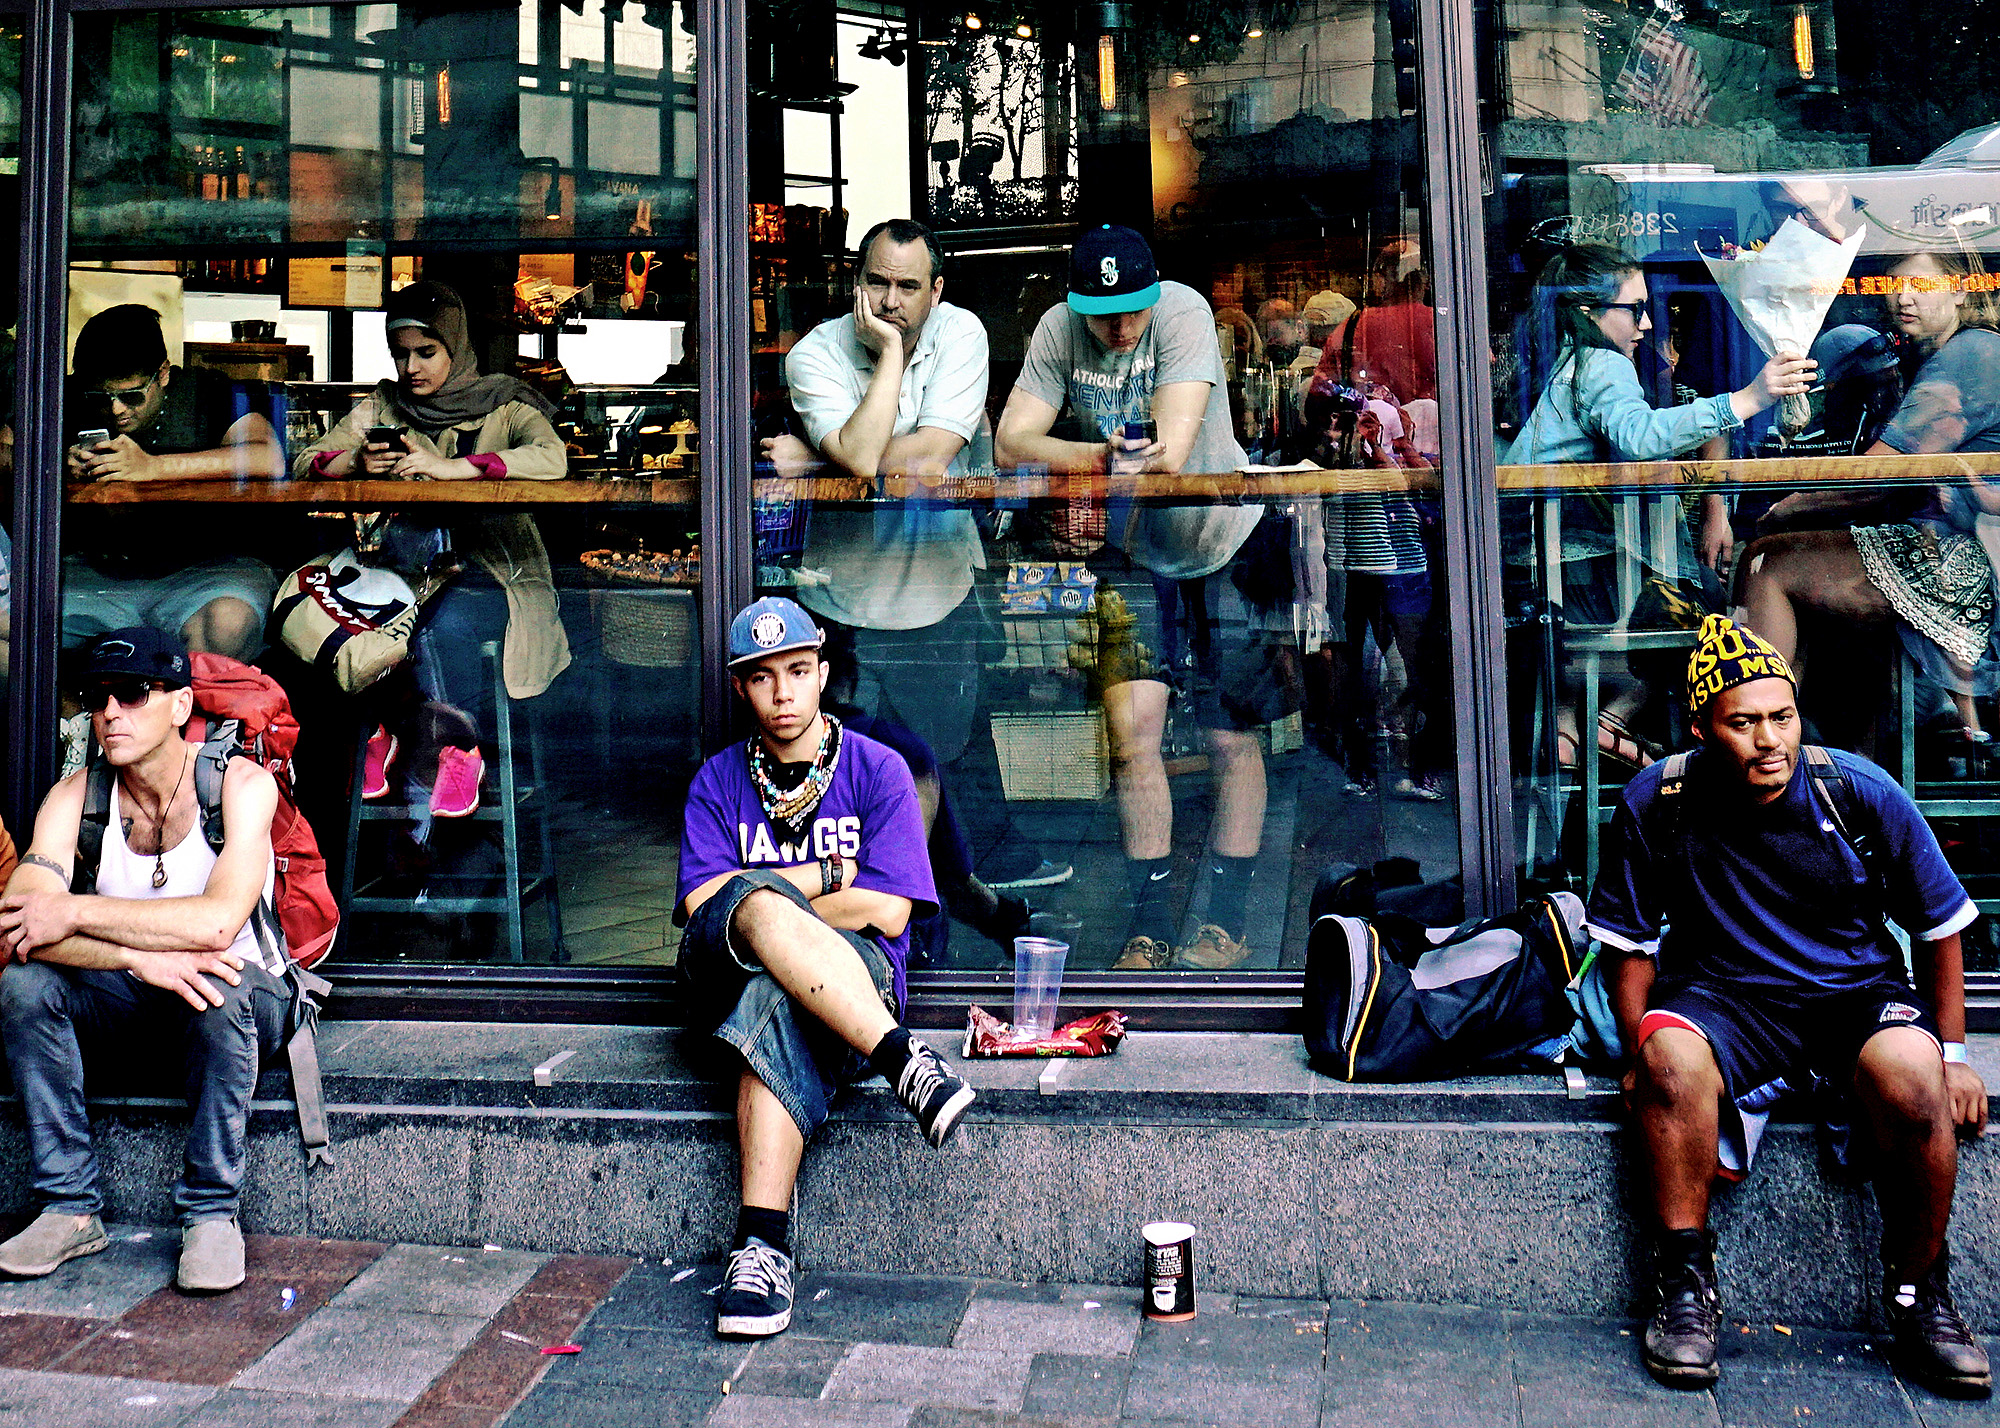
x,y
932,1093
755,1300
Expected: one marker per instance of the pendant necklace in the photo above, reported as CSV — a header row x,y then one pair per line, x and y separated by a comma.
x,y
160,844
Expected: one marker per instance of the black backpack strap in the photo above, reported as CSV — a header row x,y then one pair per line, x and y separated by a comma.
x,y
90,828
1836,795
1665,834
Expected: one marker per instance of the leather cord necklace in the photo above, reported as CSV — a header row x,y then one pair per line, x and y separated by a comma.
x,y
160,842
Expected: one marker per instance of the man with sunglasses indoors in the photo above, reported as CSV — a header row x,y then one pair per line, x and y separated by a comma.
x,y
180,572
158,969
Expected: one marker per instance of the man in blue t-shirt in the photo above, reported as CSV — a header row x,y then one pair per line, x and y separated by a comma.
x,y
802,863
1776,968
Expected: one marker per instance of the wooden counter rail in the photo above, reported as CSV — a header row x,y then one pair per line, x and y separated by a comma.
x,y
1786,472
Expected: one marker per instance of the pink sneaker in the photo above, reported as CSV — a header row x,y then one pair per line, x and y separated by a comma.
x,y
456,792
375,772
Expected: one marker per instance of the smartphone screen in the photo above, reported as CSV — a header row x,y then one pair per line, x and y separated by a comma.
x,y
389,436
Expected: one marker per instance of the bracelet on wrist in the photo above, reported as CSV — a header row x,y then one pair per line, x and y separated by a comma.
x,y
1954,1053
826,882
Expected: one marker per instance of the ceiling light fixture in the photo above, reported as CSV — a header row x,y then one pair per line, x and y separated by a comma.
x,y
973,22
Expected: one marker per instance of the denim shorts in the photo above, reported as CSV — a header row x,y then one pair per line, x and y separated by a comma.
x,y
790,1050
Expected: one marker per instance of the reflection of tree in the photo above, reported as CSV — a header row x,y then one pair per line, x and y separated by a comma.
x,y
989,99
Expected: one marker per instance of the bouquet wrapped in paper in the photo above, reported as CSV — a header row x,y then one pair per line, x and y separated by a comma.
x,y
1781,292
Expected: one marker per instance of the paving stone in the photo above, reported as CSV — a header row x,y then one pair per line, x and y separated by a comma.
x,y
1007,1291
789,1366
644,1358
910,1373
579,1276
1047,1328
750,1410
100,1286
1365,1340
931,1416
58,1400
282,1256
357,1354
1068,1385
33,1341
435,1279
1953,1413
208,1338
251,1408
656,1298
569,1406
1240,1396
449,1415
1583,1373
1825,1400
1460,1400
880,1309
506,1360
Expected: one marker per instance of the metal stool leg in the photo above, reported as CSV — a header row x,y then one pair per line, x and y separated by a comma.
x,y
510,842
545,820
347,865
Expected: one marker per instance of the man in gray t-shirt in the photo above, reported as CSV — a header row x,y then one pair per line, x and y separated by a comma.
x,y
1126,349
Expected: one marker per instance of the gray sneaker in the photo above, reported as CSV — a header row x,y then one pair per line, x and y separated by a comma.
x,y
211,1257
48,1242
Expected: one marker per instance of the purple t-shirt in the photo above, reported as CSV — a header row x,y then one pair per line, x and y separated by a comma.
x,y
869,815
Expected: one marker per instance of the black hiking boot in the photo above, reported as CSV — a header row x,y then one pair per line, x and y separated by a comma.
x,y
1679,1344
1933,1346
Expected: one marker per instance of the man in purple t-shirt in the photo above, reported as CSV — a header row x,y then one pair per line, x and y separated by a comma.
x,y
802,864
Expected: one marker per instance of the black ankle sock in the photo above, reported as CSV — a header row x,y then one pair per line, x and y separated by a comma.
x,y
773,1227
1151,888
891,1054
1229,891
1683,1247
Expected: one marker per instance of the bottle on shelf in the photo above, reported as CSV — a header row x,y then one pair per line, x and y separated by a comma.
x,y
211,174
241,174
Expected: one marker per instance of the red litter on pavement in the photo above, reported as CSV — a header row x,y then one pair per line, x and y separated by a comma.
x,y
563,1349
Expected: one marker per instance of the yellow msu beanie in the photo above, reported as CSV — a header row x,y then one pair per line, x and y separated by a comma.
x,y
1725,656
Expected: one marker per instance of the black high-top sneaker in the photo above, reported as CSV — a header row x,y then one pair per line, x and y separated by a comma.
x,y
1933,1346
1679,1345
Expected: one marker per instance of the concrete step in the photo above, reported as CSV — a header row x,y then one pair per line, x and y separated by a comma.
x,y
1497,1191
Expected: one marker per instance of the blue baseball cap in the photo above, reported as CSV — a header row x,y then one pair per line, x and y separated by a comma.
x,y
772,625
1111,269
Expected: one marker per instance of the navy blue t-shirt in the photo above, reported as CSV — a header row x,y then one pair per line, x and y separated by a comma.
x,y
1771,895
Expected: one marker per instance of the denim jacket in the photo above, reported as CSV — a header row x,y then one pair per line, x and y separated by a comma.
x,y
1595,410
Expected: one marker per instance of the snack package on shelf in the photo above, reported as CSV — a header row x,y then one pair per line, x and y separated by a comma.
x,y
1099,1035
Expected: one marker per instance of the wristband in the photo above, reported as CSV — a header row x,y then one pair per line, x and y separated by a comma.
x,y
1954,1053
839,871
826,884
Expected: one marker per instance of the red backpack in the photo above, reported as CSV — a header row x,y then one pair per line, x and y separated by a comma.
x,y
240,712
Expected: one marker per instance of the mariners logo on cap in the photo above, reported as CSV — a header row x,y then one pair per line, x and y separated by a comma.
x,y
1109,269
767,629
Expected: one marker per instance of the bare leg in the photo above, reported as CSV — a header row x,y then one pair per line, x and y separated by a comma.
x,y
1677,1094
224,626
1806,570
1899,1081
768,1143
1136,711
815,964
1240,793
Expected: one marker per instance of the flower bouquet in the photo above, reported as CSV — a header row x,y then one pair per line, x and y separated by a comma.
x,y
1780,292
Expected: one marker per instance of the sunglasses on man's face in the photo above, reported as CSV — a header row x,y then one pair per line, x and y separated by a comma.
x,y
132,398
130,694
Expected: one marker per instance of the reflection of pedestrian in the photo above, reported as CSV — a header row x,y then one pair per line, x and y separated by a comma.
x,y
1393,339
1124,352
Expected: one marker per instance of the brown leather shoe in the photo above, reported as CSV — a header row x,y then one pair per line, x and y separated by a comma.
x,y
1212,950
1144,954
1933,1344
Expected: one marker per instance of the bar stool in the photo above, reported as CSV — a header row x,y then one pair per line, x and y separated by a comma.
x,y
514,795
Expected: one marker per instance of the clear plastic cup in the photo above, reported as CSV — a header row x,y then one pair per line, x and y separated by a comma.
x,y
1038,971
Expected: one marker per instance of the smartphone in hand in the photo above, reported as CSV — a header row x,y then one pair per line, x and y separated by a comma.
x,y
88,439
389,436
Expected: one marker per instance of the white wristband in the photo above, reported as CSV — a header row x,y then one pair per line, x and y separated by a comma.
x,y
1954,1053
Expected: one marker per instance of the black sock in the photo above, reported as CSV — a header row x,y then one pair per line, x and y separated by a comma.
x,y
1151,888
1684,1247
891,1054
1229,891
773,1227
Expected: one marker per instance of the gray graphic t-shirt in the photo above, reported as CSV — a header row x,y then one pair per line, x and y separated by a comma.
x,y
1098,391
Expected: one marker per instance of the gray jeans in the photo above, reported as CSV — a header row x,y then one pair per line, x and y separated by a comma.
x,y
53,1017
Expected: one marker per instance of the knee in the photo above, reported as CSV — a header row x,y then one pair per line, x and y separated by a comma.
x,y
1676,1071
1906,1093
224,626
30,991
1235,753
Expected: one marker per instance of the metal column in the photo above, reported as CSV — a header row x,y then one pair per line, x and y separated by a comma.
x,y
722,296
38,435
1447,41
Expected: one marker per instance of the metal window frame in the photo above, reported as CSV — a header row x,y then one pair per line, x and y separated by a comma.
x,y
1448,123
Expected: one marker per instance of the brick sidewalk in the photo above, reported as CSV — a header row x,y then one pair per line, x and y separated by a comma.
x,y
339,1334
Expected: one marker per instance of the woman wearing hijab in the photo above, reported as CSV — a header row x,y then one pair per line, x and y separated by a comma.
x,y
455,424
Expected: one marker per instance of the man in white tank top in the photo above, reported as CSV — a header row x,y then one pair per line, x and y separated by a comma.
x,y
161,960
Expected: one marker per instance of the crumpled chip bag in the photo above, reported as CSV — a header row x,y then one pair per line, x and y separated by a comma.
x,y
1099,1035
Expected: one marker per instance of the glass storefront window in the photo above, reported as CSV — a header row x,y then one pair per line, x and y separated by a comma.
x,y
374,307
1149,593
1680,198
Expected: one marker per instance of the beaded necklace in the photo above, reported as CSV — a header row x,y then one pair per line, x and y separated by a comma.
x,y
789,810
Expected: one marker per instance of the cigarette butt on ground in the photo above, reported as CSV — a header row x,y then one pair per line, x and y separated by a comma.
x,y
1783,1330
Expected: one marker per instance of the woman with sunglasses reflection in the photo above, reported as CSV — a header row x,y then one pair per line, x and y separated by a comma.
x,y
1587,316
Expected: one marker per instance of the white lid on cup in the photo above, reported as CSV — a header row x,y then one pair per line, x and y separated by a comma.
x,y
1167,1232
